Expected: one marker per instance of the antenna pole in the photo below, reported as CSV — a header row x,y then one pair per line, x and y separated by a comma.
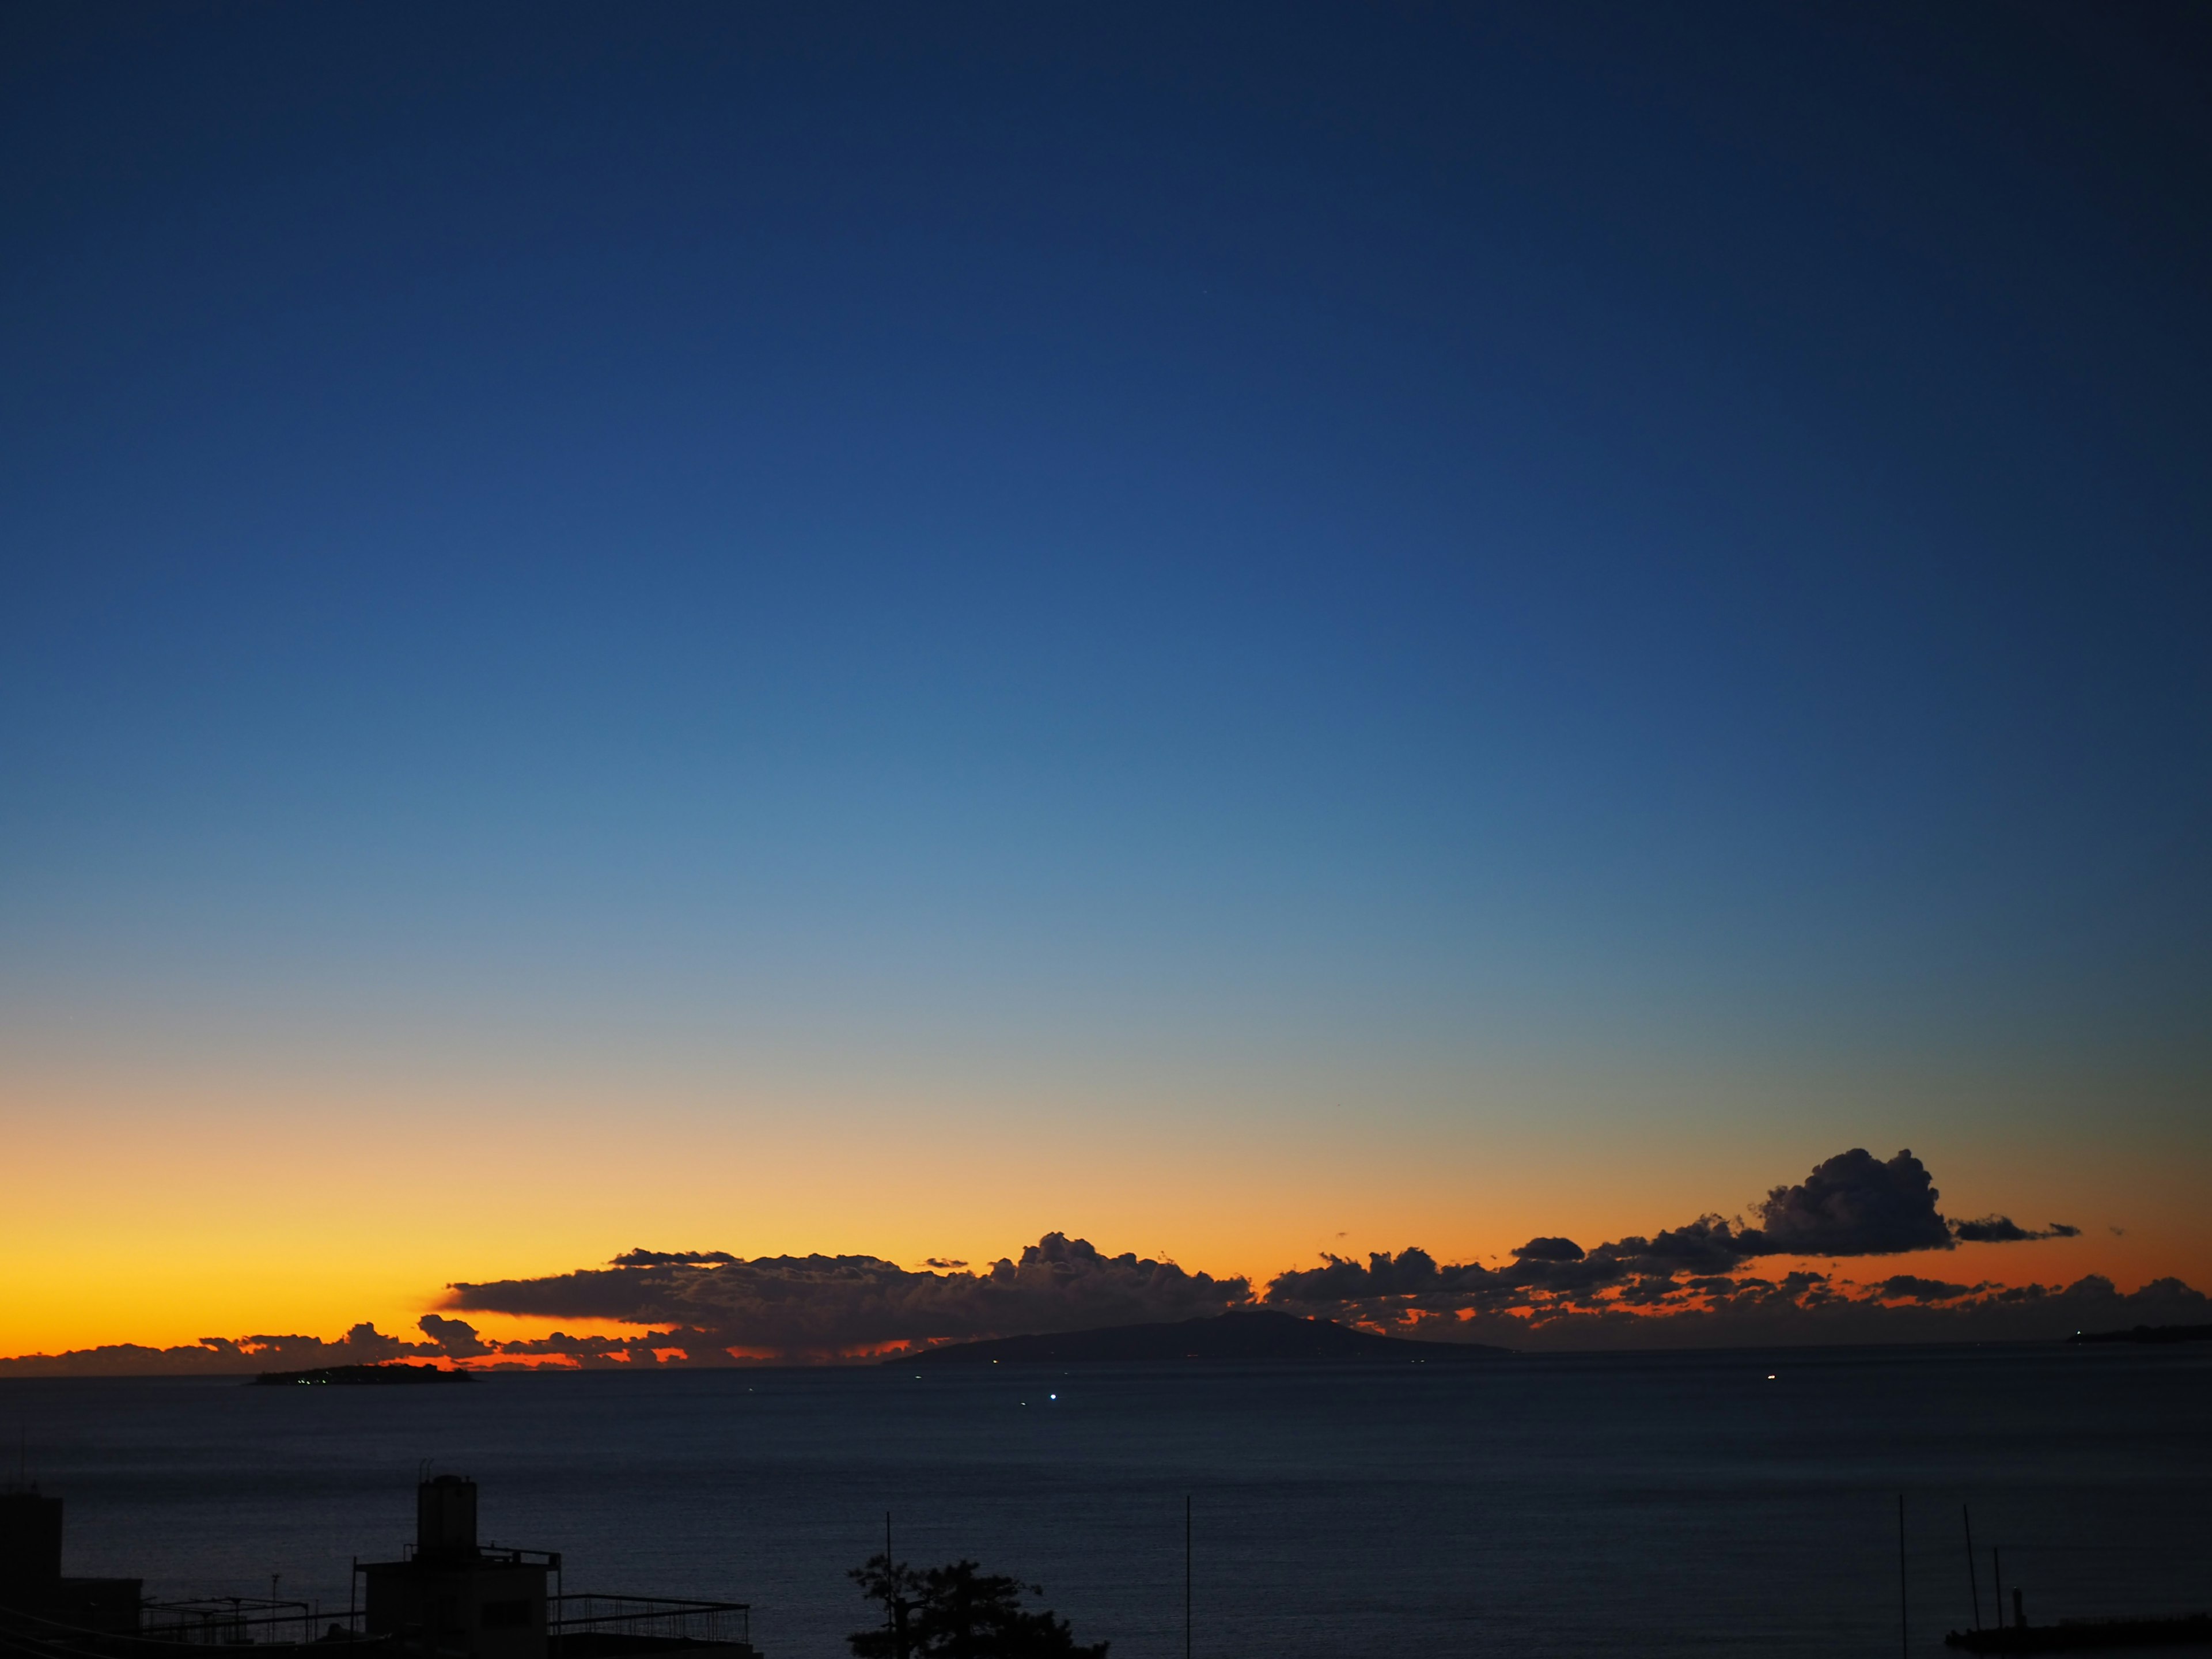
x,y
1973,1584
1186,1577
1903,1608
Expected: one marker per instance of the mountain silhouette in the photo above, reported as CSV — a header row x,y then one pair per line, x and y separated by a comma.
x,y
1252,1334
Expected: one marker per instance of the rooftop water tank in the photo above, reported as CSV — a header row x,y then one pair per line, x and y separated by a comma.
x,y
446,1519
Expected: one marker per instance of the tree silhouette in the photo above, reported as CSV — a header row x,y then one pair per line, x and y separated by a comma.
x,y
959,1611
898,1587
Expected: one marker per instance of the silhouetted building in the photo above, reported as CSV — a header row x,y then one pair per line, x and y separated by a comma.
x,y
30,1548
450,1598
453,1597
31,1578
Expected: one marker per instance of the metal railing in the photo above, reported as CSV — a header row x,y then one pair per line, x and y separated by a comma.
x,y
586,1625
272,1626
653,1619
228,1620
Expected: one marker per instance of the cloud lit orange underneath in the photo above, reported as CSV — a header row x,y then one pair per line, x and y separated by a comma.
x,y
1710,1280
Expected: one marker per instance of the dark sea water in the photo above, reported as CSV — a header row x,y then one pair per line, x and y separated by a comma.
x,y
1566,1505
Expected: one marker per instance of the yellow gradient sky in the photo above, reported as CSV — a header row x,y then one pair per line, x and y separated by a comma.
x,y
161,1214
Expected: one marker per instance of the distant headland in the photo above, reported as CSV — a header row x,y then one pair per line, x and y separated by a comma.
x,y
361,1376
1256,1334
2148,1334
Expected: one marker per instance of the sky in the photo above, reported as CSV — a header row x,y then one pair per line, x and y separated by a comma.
x,y
1246,633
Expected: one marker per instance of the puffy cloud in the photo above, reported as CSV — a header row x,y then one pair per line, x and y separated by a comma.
x,y
830,1305
456,1338
1853,1204
1411,1278
1708,1244
1549,1249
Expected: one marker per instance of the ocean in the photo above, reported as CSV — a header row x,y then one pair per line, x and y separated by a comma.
x,y
1740,1502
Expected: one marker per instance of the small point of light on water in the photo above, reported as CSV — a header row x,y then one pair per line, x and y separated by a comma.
x,y
1052,1396
1769,1376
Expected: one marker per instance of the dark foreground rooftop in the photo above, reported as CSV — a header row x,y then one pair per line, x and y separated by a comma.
x,y
2073,1636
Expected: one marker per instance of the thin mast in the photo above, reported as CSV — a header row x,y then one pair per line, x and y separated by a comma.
x,y
1904,1607
1973,1584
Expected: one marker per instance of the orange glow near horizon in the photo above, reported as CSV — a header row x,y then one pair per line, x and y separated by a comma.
x,y
159,1214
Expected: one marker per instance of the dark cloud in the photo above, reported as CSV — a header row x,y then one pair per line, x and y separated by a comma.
x,y
453,1340
1854,1205
456,1338
1908,1287
826,1304
700,1304
1786,1314
584,1347
1722,1284
221,1356
1708,1244
1549,1249
2003,1230
941,1264
1851,1205
1411,1272
636,1351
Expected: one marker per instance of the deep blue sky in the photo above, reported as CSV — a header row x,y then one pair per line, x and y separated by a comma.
x,y
1359,539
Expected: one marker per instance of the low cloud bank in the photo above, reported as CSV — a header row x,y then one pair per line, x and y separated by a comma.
x,y
1852,1205
710,1308
445,1341
2003,1230
1804,1309
226,1356
1696,1284
830,1305
1688,1284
